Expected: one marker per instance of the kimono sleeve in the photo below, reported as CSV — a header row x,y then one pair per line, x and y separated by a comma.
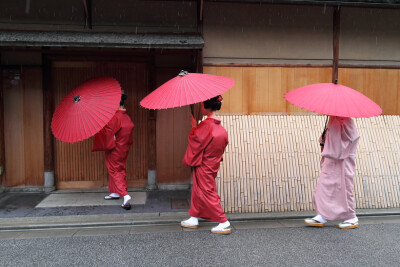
x,y
105,139
198,139
339,139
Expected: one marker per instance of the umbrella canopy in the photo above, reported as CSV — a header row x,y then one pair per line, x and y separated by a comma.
x,y
334,100
186,89
86,109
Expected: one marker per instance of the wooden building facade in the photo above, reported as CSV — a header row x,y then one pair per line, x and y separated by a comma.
x,y
267,47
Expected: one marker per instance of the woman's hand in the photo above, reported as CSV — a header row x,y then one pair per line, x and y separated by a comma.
x,y
193,121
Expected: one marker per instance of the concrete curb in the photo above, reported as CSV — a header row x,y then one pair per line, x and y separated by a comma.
x,y
142,219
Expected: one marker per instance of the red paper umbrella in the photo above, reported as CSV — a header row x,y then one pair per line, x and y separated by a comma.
x,y
186,89
333,99
86,109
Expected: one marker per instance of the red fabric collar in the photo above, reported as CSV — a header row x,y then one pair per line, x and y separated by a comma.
x,y
216,121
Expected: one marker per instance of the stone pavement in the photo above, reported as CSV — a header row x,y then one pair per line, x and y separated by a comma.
x,y
63,203
19,211
86,199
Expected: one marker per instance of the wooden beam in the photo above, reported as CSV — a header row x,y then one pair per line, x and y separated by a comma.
x,y
363,66
88,13
266,65
199,61
2,144
48,109
201,10
152,123
336,32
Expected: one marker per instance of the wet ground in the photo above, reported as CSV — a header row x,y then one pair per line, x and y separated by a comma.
x,y
252,243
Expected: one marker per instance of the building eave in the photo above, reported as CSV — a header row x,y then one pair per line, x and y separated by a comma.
x,y
98,39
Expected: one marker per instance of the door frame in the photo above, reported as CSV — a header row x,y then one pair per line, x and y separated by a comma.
x,y
49,108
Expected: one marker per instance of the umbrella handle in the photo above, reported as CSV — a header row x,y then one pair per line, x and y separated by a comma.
x,y
196,113
192,109
324,132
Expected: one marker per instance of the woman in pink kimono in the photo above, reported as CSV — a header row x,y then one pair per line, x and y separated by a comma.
x,y
207,143
333,195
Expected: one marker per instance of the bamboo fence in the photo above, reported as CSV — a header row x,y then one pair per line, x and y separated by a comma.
x,y
272,163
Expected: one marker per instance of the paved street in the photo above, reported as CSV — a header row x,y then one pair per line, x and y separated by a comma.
x,y
282,242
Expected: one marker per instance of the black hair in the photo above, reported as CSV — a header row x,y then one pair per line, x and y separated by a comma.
x,y
123,98
213,104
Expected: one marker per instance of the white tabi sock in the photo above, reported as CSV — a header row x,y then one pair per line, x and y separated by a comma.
x,y
114,195
353,220
319,218
192,221
127,198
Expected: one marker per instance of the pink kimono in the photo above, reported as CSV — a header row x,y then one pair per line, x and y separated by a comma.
x,y
333,195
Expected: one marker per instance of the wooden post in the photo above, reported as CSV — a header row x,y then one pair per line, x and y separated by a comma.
x,y
336,32
48,109
88,13
2,144
152,139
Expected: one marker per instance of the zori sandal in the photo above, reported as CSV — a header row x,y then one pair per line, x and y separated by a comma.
x,y
126,206
186,224
222,228
223,231
348,225
110,198
314,223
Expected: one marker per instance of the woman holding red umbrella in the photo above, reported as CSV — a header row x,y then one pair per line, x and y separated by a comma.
x,y
207,143
90,109
333,195
117,137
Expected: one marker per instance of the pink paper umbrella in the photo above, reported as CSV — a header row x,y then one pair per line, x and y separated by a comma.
x,y
86,109
334,100
186,89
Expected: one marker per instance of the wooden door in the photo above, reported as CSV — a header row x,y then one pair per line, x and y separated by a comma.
x,y
75,165
23,126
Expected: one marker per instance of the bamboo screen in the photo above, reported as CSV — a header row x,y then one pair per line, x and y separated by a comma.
x,y
272,163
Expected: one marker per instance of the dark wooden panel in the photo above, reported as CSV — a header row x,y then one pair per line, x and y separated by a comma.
x,y
23,124
173,127
33,126
2,148
336,33
14,129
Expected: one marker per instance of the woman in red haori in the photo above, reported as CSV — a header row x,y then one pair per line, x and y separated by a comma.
x,y
333,195
207,143
116,139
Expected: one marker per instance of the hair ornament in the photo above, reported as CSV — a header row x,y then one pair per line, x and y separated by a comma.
x,y
220,98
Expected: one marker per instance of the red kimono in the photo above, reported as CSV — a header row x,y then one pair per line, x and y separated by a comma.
x,y
119,132
206,146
